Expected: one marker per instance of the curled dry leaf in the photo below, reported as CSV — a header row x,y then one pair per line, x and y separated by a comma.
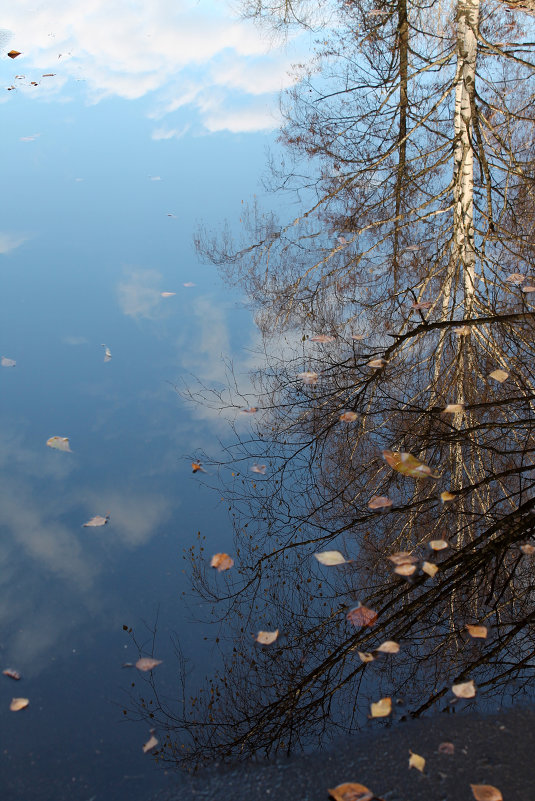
x,y
96,521
377,363
308,377
416,761
466,689
402,558
14,53
167,294
381,708
351,791
365,656
150,744
479,632
147,663
453,408
388,647
447,496
322,338
267,637
405,569
429,568
379,502
486,792
7,362
499,375
407,464
59,443
348,417
330,558
18,703
362,616
259,468
438,545
528,549
13,674
221,561
446,748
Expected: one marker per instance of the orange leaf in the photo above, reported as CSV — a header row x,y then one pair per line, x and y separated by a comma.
x,y
13,53
486,792
477,631
221,561
267,637
348,417
379,502
351,791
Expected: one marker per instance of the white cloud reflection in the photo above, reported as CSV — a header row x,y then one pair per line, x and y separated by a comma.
x,y
175,50
137,294
9,242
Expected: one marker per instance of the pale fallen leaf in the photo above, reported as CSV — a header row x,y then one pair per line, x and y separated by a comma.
x,y
267,637
499,375
402,557
486,792
479,632
388,647
150,744
438,545
252,410
259,468
528,288
189,284
221,561
322,338
107,353
426,304
8,362
13,674
365,656
462,330
379,502
358,337
416,761
59,443
351,791
147,663
348,417
377,363
528,549
362,616
515,278
446,748
18,703
382,708
429,568
466,689
96,521
447,496
167,294
405,569
407,464
308,377
330,558
453,408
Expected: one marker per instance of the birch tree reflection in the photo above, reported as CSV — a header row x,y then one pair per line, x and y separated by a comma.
x,y
398,322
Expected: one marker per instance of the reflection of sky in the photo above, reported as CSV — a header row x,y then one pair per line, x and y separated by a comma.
x,y
154,121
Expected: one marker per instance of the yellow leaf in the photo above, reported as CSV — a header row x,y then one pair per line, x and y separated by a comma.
x,y
267,637
466,689
351,791
429,568
477,631
330,558
486,792
381,708
407,464
416,761
447,496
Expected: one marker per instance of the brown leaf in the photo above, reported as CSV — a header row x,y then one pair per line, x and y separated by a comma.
x,y
147,663
267,637
426,304
150,744
446,748
13,674
416,761
196,466
447,496
515,278
348,417
377,363
466,689
96,521
221,561
351,791
477,631
322,338
486,792
18,703
362,616
379,502
381,708
13,53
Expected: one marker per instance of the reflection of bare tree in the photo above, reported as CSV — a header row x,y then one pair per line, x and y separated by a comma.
x,y
427,173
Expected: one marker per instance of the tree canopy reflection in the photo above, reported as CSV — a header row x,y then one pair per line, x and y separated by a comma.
x,y
396,316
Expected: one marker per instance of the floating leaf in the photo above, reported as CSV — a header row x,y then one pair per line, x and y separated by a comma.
x,y
107,353
426,304
147,663
358,337
13,53
528,549
381,708
196,466
447,496
252,410
267,637
362,616
167,294
96,521
407,464
259,468
189,284
515,278
405,569
308,377
351,791
446,748
59,443
438,545
221,561
453,408
479,632
377,363
388,647
379,502
528,288
7,362
499,375
486,792
322,338
365,656
416,761
13,674
462,330
150,744
466,689
348,417
429,568
402,557
48,75
18,703
330,558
